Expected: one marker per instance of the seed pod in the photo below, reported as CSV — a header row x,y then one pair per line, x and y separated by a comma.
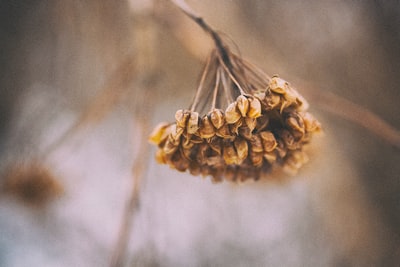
x,y
160,133
271,100
311,124
160,157
217,118
256,158
216,144
242,104
234,128
196,139
229,154
194,168
187,143
289,140
225,132
242,149
181,117
251,123
256,143
169,147
215,161
262,122
281,149
278,85
193,123
232,114
254,108
175,135
295,122
268,141
245,132
179,163
201,155
206,129
270,156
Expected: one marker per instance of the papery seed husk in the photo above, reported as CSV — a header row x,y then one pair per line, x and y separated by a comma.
x,y
225,132
193,123
201,153
242,104
245,132
217,118
256,143
181,117
310,123
160,133
281,149
256,158
160,157
194,168
288,139
295,121
278,85
232,114
268,141
262,122
270,156
169,147
251,123
206,130
175,135
234,128
242,149
179,163
229,154
215,161
272,100
216,144
254,108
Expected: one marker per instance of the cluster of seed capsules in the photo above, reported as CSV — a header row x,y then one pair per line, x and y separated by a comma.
x,y
255,134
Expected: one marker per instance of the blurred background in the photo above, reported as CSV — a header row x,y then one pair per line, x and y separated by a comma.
x,y
83,83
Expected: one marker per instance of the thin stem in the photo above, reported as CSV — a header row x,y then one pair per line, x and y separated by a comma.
x,y
231,75
199,89
181,4
225,85
214,101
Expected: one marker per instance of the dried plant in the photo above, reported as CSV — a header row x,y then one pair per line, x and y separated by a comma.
x,y
241,123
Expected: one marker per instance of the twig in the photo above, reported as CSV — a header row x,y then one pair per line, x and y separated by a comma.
x,y
181,4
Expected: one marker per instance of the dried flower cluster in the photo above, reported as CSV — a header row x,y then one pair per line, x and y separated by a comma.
x,y
263,124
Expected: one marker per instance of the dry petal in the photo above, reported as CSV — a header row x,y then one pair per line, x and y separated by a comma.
x,y
245,132
295,122
232,114
289,140
161,157
272,100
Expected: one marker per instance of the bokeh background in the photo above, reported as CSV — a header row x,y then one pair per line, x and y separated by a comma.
x,y
111,70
